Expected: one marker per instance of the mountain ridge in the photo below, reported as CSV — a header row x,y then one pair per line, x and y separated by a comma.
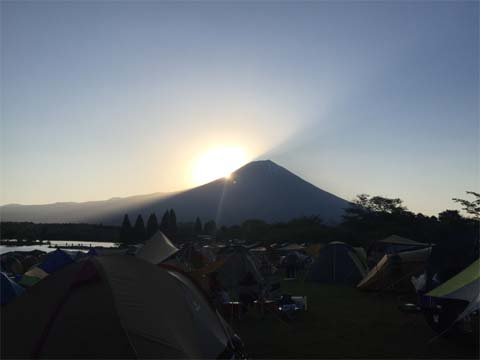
x,y
260,189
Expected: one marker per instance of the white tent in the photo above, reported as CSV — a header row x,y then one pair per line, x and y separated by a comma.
x,y
157,249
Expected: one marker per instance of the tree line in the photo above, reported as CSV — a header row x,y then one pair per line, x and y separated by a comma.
x,y
29,231
179,231
367,219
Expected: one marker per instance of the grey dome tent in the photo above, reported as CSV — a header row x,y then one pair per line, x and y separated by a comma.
x,y
113,307
337,262
237,264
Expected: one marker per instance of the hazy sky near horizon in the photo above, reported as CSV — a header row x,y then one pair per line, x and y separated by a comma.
x,y
116,98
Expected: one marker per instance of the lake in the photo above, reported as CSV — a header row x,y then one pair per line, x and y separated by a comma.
x,y
65,244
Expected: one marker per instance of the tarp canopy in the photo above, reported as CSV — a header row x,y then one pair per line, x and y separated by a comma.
x,y
463,286
9,289
292,247
113,307
393,271
337,262
157,249
399,240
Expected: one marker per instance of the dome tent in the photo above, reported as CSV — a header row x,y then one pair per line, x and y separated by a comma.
x,y
56,260
237,263
113,307
337,262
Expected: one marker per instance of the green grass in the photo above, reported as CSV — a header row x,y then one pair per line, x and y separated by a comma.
x,y
343,322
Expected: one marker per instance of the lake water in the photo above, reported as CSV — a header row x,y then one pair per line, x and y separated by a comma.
x,y
65,244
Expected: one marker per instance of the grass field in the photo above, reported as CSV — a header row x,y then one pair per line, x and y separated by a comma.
x,y
343,322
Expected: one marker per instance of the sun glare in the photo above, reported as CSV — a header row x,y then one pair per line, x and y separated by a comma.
x,y
217,163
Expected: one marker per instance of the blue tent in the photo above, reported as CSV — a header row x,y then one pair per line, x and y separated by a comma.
x,y
9,289
56,260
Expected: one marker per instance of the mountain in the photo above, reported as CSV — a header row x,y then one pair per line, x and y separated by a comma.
x,y
258,190
74,212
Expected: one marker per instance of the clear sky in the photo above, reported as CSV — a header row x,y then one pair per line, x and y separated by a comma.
x,y
116,98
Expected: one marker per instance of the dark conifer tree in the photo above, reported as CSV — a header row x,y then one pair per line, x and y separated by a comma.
x,y
198,226
164,226
125,231
172,222
139,230
210,227
152,225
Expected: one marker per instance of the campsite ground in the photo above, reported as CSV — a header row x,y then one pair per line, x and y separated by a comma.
x,y
343,322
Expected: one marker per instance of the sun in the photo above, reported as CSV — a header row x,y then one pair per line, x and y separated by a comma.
x,y
218,162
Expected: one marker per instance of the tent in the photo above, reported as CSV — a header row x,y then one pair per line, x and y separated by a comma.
x,y
394,244
191,257
36,272
114,307
9,289
337,262
399,240
56,260
101,251
463,286
10,263
237,263
394,271
157,249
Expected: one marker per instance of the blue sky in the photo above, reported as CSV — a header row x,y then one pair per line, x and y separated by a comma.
x,y
104,99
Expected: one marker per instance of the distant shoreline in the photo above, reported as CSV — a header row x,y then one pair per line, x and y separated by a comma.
x,y
65,244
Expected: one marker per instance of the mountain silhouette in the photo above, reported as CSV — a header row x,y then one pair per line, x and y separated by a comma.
x,y
258,190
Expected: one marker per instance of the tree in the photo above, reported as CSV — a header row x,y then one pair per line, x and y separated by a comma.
x,y
139,230
471,207
164,226
210,227
152,225
380,204
254,230
125,231
450,217
198,226
172,222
